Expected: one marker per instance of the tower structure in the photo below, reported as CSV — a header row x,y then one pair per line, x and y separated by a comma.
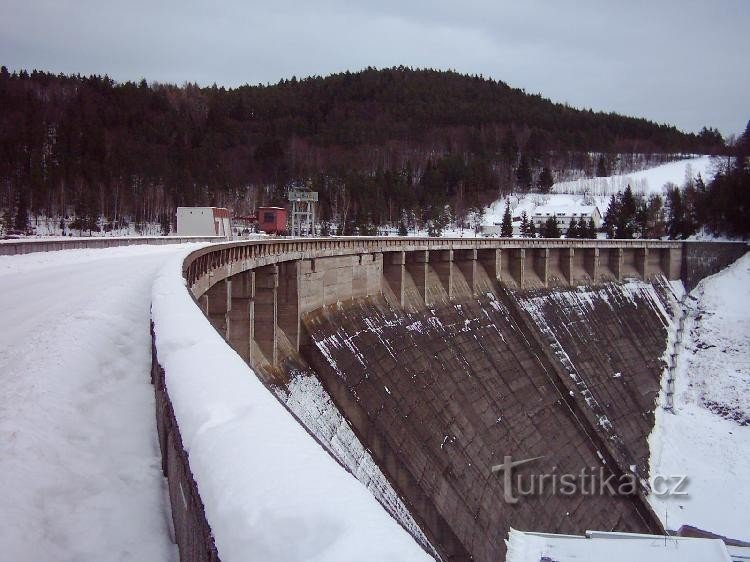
x,y
303,201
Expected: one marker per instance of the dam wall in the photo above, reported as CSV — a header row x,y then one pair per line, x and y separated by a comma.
x,y
701,259
419,364
609,342
440,396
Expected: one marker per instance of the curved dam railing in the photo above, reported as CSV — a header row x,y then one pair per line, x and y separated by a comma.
x,y
276,303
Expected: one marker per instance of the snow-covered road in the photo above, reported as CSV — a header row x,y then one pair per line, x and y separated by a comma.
x,y
79,460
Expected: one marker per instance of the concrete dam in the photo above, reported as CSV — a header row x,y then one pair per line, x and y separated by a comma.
x,y
421,364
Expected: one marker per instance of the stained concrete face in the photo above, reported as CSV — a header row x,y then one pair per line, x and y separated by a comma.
x,y
441,395
609,342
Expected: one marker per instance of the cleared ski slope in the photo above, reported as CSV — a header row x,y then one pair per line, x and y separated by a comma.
x,y
79,460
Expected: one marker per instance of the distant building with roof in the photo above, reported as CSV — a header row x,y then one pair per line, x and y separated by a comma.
x,y
204,221
564,214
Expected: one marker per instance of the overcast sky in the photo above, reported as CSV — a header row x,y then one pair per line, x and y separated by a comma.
x,y
682,62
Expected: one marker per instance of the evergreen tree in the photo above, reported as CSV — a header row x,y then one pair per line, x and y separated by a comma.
x,y
582,227
524,225
523,175
551,229
626,222
641,221
531,230
590,229
675,214
655,220
546,180
611,217
573,230
506,229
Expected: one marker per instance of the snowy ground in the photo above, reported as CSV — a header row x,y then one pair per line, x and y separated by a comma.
x,y
79,460
708,437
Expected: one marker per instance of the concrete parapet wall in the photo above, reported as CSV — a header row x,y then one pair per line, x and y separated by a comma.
x,y
22,246
192,531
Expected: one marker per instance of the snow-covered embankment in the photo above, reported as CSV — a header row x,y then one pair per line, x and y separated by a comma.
x,y
707,438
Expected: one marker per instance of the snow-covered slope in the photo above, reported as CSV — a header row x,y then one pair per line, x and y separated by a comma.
x,y
599,190
647,181
79,461
707,438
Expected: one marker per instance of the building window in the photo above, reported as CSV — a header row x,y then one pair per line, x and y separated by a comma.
x,y
268,217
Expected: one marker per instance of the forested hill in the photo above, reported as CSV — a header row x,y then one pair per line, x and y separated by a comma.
x,y
373,143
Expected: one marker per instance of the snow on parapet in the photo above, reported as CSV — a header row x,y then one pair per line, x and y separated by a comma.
x,y
269,490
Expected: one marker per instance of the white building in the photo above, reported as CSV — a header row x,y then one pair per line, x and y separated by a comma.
x,y
203,221
495,229
564,214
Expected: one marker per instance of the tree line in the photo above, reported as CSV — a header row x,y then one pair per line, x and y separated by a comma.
x,y
720,207
379,145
